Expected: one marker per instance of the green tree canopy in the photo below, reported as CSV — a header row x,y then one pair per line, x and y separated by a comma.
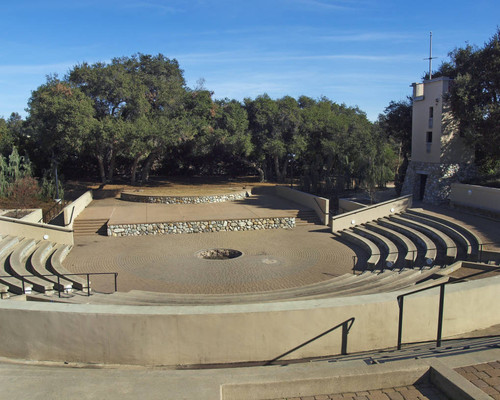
x,y
475,97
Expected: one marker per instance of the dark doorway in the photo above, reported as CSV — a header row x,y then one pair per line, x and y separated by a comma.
x,y
423,181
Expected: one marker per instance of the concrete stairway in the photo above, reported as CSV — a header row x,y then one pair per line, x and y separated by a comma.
x,y
305,217
86,227
412,239
28,266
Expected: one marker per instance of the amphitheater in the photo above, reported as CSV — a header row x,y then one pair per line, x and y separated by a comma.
x,y
256,294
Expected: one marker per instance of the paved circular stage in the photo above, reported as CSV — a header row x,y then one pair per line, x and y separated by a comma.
x,y
270,260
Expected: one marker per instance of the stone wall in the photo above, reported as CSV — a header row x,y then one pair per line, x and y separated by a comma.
x,y
166,228
439,180
219,198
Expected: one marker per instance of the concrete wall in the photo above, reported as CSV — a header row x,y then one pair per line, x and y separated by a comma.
x,y
319,204
71,211
216,198
37,231
370,213
34,216
346,205
476,196
167,335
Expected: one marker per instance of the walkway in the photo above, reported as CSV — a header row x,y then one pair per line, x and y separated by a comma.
x,y
54,381
123,212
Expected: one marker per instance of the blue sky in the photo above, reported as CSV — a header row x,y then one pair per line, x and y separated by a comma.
x,y
357,52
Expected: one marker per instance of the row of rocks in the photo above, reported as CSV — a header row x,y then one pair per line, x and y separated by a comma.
x,y
166,228
138,198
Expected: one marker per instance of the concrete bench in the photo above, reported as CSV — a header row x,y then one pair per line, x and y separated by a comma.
x,y
15,285
39,266
430,250
472,238
366,244
450,247
457,236
408,257
383,241
55,266
17,262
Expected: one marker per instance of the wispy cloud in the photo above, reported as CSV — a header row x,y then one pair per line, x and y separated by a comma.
x,y
324,4
34,69
238,57
369,37
152,6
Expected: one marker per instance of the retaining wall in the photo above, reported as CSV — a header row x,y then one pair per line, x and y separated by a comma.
x,y
346,205
141,198
166,228
370,213
187,335
473,196
37,231
71,211
319,204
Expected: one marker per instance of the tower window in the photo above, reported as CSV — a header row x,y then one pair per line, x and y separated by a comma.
x,y
431,117
428,137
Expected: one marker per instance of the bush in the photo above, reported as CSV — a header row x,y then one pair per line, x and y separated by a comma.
x,y
24,191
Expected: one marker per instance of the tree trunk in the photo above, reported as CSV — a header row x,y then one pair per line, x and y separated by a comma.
x,y
102,172
260,171
283,172
111,170
133,169
277,168
147,166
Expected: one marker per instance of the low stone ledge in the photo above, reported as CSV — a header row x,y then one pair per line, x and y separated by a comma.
x,y
167,228
218,198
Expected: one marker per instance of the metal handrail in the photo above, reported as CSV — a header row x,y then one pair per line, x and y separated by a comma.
x,y
481,249
400,300
59,277
346,327
50,213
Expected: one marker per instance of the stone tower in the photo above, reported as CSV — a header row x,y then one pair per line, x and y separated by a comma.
x,y
439,155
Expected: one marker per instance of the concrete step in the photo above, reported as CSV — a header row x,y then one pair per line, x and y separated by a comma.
x,y
88,227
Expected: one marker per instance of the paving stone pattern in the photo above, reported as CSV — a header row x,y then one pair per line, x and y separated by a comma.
x,y
485,376
421,391
272,259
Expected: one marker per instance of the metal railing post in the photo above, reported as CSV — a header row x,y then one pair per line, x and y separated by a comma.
x,y
88,285
345,331
400,321
116,283
59,286
440,315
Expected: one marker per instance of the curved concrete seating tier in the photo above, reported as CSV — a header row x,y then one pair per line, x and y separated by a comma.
x,y
390,248
447,245
55,266
429,247
366,244
409,253
343,286
14,284
465,247
473,239
38,266
17,262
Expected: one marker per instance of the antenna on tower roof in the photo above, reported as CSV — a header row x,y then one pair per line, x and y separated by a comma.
x,y
430,57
